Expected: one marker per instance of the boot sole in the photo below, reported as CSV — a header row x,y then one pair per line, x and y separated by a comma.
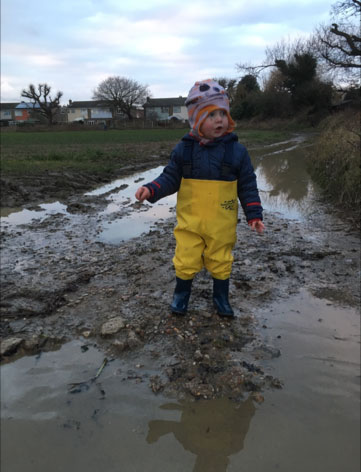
x,y
223,315
177,312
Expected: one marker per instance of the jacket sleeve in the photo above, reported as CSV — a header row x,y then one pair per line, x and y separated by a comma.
x,y
168,182
247,187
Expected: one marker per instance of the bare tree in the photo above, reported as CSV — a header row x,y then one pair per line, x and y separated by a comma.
x,y
346,8
48,107
336,46
339,49
339,44
122,93
283,50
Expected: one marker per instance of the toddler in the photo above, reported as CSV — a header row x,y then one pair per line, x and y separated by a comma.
x,y
210,170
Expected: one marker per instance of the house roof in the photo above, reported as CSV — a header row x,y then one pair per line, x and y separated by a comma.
x,y
89,104
165,102
27,105
8,106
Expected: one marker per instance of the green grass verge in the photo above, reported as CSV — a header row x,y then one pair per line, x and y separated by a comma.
x,y
334,161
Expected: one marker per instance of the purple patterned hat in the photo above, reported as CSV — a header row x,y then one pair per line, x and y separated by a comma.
x,y
205,94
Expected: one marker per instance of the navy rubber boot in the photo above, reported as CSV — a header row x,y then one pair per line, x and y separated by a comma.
x,y
181,296
220,298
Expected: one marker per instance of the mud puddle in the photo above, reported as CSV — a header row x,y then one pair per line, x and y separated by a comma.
x,y
116,424
120,218
68,280
121,192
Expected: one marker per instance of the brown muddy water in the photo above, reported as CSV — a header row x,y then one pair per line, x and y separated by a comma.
x,y
115,422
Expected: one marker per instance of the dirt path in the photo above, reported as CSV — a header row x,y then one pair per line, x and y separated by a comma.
x,y
59,283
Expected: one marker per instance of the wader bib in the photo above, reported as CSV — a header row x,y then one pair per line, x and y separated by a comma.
x,y
207,213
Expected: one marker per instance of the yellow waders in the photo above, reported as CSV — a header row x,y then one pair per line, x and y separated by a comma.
x,y
207,213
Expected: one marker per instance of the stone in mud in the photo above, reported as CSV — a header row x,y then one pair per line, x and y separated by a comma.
x,y
32,343
277,383
198,356
77,208
133,340
156,384
277,267
199,390
257,397
119,345
9,346
112,326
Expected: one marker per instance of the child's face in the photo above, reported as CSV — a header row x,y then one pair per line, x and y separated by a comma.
x,y
215,125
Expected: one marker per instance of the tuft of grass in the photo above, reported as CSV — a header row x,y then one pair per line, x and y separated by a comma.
x,y
334,161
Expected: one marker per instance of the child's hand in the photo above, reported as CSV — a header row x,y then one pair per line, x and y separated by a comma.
x,y
258,226
142,194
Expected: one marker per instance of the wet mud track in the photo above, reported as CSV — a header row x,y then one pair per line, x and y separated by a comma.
x,y
60,282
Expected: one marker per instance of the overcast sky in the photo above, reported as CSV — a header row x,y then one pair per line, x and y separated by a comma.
x,y
166,44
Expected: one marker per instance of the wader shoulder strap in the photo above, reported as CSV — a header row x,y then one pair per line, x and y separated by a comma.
x,y
226,166
187,159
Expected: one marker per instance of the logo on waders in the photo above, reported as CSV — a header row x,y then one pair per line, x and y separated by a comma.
x,y
229,204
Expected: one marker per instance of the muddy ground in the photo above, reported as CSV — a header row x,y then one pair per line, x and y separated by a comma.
x,y
18,190
59,282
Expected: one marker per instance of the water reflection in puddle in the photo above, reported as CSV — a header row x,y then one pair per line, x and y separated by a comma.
x,y
18,216
136,222
284,183
212,431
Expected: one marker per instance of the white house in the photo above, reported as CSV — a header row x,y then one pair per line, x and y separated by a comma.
x,y
165,109
89,112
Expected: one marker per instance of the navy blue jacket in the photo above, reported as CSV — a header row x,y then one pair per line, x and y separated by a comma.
x,y
206,164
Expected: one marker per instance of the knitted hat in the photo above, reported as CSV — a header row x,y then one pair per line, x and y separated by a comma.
x,y
204,97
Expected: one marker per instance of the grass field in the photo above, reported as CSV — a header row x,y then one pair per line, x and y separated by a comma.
x,y
89,137
97,151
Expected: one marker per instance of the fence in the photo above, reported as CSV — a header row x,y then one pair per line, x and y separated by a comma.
x,y
114,124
